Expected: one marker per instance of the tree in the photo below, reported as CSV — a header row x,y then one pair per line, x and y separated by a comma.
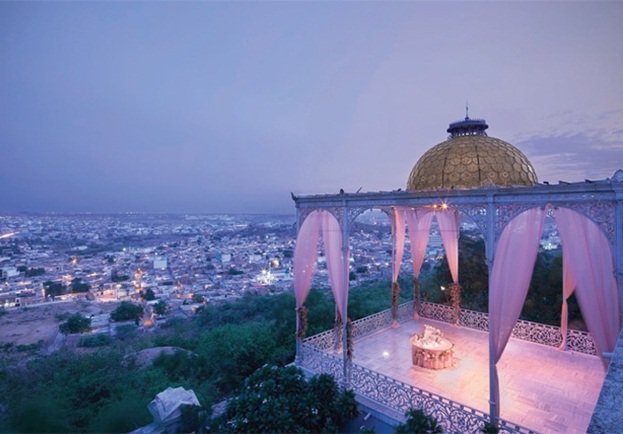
x,y
77,285
127,311
76,323
280,400
53,289
148,294
161,307
234,351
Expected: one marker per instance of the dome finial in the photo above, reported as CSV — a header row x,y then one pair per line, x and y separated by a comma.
x,y
468,127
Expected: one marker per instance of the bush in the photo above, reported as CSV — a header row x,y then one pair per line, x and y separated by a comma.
x,y
419,422
76,323
125,331
98,340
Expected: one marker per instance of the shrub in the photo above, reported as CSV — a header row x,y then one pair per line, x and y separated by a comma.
x,y
76,323
98,340
419,422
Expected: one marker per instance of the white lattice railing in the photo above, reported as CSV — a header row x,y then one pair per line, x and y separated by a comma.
x,y
399,396
577,340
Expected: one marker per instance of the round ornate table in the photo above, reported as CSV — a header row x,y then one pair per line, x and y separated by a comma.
x,y
432,355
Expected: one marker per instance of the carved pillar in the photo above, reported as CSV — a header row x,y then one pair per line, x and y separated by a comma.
x,y
490,238
346,345
297,331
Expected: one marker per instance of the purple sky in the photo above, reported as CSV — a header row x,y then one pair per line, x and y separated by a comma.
x,y
227,107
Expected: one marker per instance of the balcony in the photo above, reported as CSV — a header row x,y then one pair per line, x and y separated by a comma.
x,y
542,388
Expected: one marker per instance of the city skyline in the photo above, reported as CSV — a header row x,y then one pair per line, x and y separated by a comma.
x,y
218,107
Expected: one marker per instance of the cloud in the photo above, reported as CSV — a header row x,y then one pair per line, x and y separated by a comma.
x,y
574,157
576,147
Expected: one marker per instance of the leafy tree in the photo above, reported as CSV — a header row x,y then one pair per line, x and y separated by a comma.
x,y
76,323
53,289
127,311
279,400
148,294
77,285
419,422
473,274
234,351
161,307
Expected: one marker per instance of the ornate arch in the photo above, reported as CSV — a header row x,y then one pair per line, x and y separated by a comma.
x,y
303,213
476,214
602,213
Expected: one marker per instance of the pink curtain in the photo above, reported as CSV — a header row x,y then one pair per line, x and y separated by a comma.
x,y
398,232
305,254
589,261
568,285
337,262
449,227
418,222
513,264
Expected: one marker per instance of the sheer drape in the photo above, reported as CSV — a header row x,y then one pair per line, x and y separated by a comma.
x,y
449,227
590,263
337,263
305,255
418,224
512,271
398,231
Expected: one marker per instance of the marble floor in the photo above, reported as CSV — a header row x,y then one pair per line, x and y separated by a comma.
x,y
541,388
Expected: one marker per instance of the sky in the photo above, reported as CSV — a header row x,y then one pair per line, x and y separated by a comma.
x,y
198,107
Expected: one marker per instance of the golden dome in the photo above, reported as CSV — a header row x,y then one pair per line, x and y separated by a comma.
x,y
471,159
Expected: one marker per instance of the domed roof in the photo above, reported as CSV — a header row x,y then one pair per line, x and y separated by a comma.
x,y
471,159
